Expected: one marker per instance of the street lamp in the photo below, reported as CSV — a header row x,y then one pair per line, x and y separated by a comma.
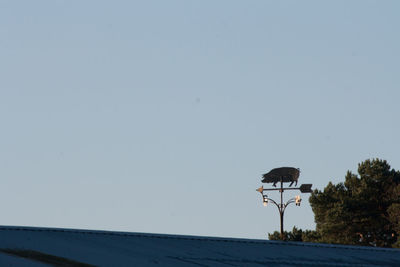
x,y
283,175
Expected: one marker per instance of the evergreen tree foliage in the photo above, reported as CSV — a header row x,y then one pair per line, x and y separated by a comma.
x,y
296,235
361,211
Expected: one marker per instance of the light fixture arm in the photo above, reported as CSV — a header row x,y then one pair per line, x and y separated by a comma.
x,y
282,206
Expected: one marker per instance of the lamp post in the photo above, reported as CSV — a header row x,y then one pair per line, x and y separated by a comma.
x,y
285,177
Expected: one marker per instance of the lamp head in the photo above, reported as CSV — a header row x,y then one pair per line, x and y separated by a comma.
x,y
298,200
265,200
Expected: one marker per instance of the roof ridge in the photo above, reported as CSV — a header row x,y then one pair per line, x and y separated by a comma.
x,y
191,237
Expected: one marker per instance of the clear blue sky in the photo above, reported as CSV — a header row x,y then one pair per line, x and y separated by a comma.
x,y
161,116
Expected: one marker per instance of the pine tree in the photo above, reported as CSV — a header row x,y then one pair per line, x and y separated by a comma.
x,y
361,211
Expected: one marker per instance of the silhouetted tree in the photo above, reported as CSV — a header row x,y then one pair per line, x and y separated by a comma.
x,y
296,235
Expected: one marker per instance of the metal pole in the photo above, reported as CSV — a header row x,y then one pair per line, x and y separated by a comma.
x,y
281,213
281,210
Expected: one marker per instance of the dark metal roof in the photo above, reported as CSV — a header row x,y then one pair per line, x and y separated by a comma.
x,y
106,248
